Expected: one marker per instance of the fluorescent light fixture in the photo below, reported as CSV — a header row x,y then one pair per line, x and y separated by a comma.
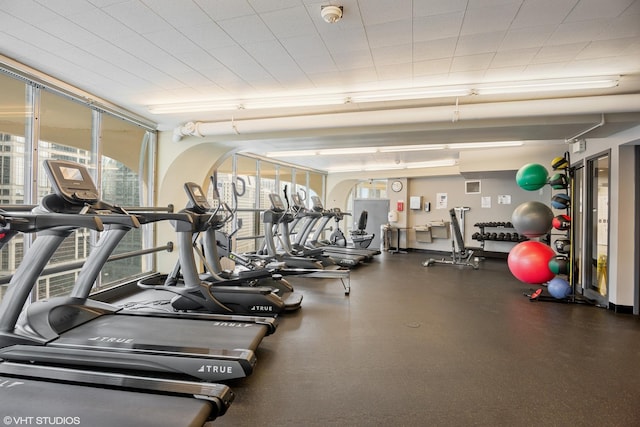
x,y
402,148
547,85
194,107
496,144
323,152
392,149
409,93
292,153
431,164
345,151
399,166
386,95
293,101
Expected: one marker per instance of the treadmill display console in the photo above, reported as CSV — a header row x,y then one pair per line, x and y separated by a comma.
x,y
276,202
317,204
297,200
71,181
196,196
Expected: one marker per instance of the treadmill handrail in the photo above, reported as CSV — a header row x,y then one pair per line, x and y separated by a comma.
x,y
34,222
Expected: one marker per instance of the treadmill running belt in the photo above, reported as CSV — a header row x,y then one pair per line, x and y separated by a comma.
x,y
188,335
29,402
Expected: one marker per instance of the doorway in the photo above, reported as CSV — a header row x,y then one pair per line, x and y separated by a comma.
x,y
596,265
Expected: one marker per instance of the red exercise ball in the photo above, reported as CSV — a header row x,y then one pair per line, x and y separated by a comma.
x,y
529,262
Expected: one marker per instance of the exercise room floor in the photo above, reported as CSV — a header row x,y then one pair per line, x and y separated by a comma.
x,y
440,346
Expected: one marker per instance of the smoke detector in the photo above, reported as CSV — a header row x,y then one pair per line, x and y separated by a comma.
x,y
331,14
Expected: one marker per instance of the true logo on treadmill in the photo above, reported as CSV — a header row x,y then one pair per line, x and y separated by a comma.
x,y
261,308
215,369
116,340
232,324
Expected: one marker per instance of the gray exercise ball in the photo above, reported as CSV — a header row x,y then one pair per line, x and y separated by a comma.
x,y
532,219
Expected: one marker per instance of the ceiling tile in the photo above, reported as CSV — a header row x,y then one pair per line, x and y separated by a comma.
x,y
302,46
575,32
135,15
437,26
103,25
293,21
346,40
621,27
178,13
262,6
396,75
170,40
381,11
542,12
434,66
511,58
479,43
438,7
224,9
317,64
352,60
498,18
207,36
389,33
434,49
558,53
246,29
587,10
471,62
29,11
529,37
605,48
389,55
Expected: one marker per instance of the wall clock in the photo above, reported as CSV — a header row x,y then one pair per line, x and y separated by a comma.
x,y
396,186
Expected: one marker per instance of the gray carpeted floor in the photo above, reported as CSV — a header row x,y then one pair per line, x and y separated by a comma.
x,y
440,346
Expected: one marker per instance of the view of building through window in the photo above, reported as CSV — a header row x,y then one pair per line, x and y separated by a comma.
x,y
69,129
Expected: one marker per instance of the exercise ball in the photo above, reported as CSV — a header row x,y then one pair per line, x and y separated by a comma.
x,y
559,288
559,264
563,246
532,219
561,222
532,176
558,181
529,262
560,201
559,163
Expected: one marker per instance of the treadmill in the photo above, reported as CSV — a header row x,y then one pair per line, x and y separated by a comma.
x,y
53,393
77,331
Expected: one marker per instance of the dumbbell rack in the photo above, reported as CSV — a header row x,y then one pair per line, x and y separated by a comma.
x,y
502,236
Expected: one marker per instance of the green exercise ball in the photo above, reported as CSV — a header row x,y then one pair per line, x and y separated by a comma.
x,y
532,176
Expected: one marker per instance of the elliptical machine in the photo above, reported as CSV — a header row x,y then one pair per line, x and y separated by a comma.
x,y
222,296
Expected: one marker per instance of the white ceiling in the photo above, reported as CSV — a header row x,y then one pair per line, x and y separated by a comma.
x,y
135,53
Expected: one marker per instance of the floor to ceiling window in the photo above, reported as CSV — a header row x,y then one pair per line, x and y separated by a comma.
x,y
39,121
13,119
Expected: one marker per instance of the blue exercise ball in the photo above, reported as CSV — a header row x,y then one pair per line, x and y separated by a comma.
x,y
559,288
